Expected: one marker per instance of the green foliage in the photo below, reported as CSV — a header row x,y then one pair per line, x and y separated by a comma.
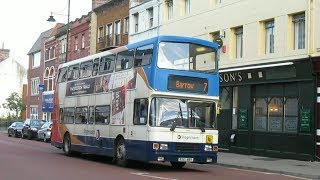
x,y
16,104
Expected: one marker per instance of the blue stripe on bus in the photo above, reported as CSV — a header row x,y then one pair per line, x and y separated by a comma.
x,y
142,150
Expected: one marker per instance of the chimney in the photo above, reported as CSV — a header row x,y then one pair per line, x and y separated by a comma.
x,y
4,53
97,3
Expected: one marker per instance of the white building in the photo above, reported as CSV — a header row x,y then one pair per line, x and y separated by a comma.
x,y
144,19
12,77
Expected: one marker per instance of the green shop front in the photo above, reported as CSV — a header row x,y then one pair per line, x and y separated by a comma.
x,y
268,110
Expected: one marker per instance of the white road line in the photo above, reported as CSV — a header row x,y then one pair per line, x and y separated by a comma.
x,y
269,173
155,177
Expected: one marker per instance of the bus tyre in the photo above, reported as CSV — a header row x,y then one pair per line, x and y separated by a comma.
x,y
67,145
121,159
178,165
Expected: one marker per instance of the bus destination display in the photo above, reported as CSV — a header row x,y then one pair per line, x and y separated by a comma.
x,y
188,84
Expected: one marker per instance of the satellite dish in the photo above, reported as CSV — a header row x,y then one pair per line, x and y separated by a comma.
x,y
219,42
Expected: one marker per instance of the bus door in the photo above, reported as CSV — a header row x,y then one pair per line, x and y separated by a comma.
x,y
81,124
138,131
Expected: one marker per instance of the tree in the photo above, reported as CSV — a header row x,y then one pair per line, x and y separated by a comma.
x,y
15,103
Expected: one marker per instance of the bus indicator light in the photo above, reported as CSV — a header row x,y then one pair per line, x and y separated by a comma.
x,y
209,139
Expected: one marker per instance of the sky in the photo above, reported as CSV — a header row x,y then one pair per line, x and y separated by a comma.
x,y
21,22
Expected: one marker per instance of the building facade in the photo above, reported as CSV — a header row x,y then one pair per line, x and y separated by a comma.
x,y
35,76
144,20
112,23
268,88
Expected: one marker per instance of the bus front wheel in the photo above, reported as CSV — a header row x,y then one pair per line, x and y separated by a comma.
x,y
177,165
121,159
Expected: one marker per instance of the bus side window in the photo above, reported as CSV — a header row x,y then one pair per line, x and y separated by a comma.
x,y
62,77
68,116
140,111
106,64
81,115
124,60
95,68
143,55
102,114
86,69
73,72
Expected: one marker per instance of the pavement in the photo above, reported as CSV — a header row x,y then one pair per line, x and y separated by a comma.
x,y
305,169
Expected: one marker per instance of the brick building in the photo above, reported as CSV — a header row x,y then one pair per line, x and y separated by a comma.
x,y
112,23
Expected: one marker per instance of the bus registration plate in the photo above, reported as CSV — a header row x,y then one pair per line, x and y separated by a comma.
x,y
184,159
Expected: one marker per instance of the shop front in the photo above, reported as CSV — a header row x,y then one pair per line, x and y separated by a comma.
x,y
269,110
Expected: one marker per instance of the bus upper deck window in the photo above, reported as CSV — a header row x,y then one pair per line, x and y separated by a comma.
x,y
86,69
62,77
73,72
124,60
143,55
106,64
95,68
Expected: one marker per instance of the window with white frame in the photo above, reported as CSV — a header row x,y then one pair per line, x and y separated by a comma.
x,y
126,25
299,31
269,25
187,6
51,79
82,41
218,1
150,15
169,4
76,43
239,42
110,33
63,45
34,112
118,32
35,86
100,34
36,59
136,22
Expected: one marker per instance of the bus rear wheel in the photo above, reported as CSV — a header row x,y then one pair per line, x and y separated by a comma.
x,y
177,165
120,154
67,145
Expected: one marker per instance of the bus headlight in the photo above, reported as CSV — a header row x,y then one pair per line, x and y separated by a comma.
x,y
207,147
163,146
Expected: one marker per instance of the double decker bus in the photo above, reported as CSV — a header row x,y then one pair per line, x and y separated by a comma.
x,y
150,101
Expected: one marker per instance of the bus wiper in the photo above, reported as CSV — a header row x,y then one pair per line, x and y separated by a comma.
x,y
174,124
201,125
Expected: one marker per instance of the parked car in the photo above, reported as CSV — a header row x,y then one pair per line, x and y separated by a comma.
x,y
45,132
30,128
15,129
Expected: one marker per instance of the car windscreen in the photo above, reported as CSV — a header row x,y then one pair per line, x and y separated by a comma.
x,y
35,123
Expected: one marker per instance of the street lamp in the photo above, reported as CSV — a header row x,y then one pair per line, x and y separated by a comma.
x,y
51,19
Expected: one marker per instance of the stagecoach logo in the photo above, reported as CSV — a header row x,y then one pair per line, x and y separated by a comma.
x,y
187,137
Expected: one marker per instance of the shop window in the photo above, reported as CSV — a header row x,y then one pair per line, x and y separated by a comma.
x,y
276,114
225,98
291,115
261,114
235,108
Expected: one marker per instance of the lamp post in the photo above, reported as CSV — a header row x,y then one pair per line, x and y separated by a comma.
x,y
51,19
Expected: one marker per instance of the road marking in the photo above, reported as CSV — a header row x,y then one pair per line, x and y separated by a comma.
x,y
270,173
155,177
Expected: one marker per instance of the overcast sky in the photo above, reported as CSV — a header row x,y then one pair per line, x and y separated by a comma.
x,y
21,22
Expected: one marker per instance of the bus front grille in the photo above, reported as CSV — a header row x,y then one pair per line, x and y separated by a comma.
x,y
187,147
